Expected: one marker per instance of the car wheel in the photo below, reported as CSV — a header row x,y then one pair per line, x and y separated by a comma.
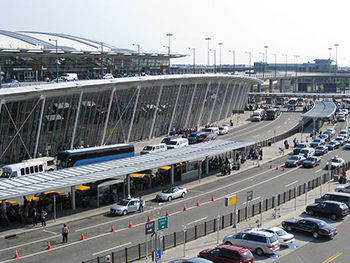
x,y
183,195
124,212
169,198
311,212
334,217
289,229
228,243
259,251
315,235
341,191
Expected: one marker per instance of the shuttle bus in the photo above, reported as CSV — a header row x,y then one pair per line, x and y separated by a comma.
x,y
78,157
272,114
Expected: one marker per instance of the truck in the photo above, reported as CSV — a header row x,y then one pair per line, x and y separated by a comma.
x,y
258,115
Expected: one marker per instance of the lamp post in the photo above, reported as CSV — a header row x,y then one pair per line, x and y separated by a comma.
x,y
233,60
265,65
194,59
296,64
263,55
286,62
56,59
138,57
214,50
208,39
275,63
330,59
250,59
336,57
220,44
169,35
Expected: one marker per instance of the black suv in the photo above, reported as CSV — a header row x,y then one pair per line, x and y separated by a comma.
x,y
333,209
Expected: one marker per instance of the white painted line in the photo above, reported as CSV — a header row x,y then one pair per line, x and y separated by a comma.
x,y
319,170
197,220
47,231
291,183
269,131
111,248
279,126
256,136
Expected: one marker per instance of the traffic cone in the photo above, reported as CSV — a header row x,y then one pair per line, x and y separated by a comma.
x,y
258,165
82,237
167,213
185,209
198,203
270,166
49,245
283,169
276,167
112,228
16,254
149,219
130,225
212,198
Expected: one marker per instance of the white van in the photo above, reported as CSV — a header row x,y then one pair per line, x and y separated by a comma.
x,y
154,148
307,152
177,143
213,129
69,76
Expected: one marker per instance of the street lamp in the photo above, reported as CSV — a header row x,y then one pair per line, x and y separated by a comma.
x,y
263,55
56,58
275,63
330,58
250,59
220,44
194,59
233,60
286,62
265,65
138,56
214,59
296,64
208,39
336,57
169,35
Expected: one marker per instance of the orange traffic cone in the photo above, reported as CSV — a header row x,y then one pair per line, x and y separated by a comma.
x,y
82,237
185,209
198,203
167,213
212,198
283,169
149,219
270,166
276,167
112,228
49,245
16,254
130,225
258,165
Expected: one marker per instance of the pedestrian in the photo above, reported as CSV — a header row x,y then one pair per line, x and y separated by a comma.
x,y
142,204
43,218
65,232
35,217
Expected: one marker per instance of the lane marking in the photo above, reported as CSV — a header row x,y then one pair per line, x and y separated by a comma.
x,y
201,219
292,183
111,248
332,257
256,135
47,231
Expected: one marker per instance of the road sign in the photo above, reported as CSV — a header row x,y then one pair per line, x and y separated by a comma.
x,y
150,227
231,200
249,195
157,255
162,223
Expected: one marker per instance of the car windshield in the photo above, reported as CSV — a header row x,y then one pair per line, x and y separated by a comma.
x,y
281,232
122,203
192,135
171,143
40,195
203,136
273,239
167,191
319,148
221,128
165,140
147,148
310,159
247,255
293,158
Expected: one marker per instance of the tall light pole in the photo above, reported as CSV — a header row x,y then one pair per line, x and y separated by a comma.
x,y
169,35
194,59
285,55
233,60
56,58
275,63
214,50
336,57
101,59
250,60
208,39
330,59
296,64
266,47
138,56
263,55
220,44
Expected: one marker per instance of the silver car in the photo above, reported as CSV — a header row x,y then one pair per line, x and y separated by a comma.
x,y
171,193
126,206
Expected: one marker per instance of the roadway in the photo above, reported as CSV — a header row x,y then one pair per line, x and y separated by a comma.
x,y
96,227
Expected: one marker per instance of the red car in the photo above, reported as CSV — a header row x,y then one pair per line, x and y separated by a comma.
x,y
208,136
227,254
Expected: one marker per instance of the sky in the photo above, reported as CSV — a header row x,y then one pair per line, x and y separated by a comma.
x,y
304,28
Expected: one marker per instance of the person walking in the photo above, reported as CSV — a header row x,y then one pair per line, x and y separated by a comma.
x,y
142,204
35,217
43,218
65,232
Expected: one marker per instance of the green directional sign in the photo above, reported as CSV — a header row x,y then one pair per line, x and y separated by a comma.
x,y
163,223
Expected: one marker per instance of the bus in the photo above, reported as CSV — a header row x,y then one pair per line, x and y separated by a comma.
x,y
272,114
85,156
29,167
293,102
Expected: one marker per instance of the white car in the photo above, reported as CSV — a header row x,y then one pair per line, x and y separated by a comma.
x,y
223,130
335,162
108,76
284,238
171,193
126,206
343,189
331,130
347,145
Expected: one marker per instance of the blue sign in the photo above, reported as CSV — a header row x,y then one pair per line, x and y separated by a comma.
x,y
292,246
157,255
273,256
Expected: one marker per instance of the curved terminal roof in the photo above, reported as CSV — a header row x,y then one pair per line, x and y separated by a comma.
x,y
25,185
321,109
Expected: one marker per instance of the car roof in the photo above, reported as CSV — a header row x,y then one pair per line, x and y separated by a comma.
x,y
258,232
232,248
315,220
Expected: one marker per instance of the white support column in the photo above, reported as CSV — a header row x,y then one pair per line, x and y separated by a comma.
x,y
190,107
223,102
214,103
155,113
230,101
175,106
42,97
133,114
206,165
128,185
72,190
1,102
3,208
76,121
172,179
201,113
107,117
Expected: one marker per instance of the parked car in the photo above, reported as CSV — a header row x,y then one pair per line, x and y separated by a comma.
x,y
341,118
335,162
347,145
340,140
330,134
223,129
300,146
317,142
324,137
331,130
321,150
126,206
343,189
284,238
193,137
332,145
332,209
311,162
191,260
208,136
257,241
171,193
314,226
228,254
295,160
345,137
108,76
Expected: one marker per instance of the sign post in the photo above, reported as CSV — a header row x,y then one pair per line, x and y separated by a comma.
x,y
249,198
232,200
149,229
